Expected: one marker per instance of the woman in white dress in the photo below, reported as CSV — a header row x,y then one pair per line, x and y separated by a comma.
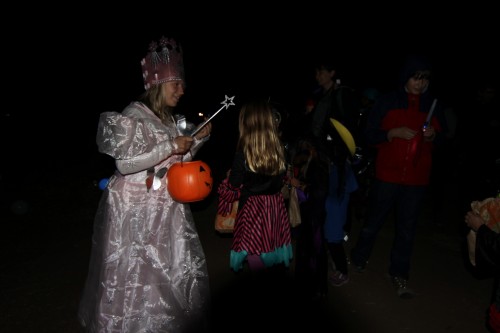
x,y
147,269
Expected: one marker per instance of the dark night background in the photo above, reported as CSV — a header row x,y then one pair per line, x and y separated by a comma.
x,y
71,67
73,64
63,66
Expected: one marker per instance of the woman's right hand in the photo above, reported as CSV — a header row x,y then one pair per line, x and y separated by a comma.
x,y
473,220
183,144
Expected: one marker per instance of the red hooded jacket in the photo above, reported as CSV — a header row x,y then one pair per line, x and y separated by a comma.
x,y
406,162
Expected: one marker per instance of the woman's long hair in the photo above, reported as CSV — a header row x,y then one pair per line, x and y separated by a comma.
x,y
259,139
155,99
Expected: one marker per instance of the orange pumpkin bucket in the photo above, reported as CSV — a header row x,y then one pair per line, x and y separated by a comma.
x,y
189,181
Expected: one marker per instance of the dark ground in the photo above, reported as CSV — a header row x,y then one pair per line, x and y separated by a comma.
x,y
46,244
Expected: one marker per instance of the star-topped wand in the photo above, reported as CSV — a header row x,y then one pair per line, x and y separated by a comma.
x,y
227,102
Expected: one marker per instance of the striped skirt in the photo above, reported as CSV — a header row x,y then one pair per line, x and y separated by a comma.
x,y
262,227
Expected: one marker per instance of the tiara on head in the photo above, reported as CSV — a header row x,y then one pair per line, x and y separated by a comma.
x,y
163,63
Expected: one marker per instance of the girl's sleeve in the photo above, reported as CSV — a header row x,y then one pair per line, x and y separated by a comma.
x,y
227,195
237,170
230,189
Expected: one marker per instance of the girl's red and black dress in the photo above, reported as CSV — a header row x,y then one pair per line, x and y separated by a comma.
x,y
262,225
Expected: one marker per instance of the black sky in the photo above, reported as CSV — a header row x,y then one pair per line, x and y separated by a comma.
x,y
65,69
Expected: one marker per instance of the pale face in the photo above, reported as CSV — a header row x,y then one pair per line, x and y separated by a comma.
x,y
417,84
173,91
324,77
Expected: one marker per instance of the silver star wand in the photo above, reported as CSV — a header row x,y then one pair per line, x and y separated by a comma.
x,y
227,102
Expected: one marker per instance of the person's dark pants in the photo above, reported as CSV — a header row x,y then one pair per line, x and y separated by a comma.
x,y
311,260
407,201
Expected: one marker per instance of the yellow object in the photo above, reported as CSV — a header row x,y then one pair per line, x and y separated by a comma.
x,y
345,135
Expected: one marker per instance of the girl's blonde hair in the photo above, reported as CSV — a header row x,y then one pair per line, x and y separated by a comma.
x,y
259,139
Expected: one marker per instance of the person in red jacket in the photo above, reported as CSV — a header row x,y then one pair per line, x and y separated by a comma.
x,y
403,126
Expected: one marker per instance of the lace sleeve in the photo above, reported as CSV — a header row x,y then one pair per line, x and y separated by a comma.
x,y
136,141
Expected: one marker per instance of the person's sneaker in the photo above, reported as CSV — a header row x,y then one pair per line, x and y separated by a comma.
x,y
401,286
360,268
338,279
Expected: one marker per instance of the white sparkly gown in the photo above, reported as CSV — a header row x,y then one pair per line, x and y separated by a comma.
x,y
147,269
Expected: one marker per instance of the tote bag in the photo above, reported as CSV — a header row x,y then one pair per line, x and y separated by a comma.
x,y
225,224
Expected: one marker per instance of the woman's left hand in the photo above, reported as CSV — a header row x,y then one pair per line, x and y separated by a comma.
x,y
204,132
